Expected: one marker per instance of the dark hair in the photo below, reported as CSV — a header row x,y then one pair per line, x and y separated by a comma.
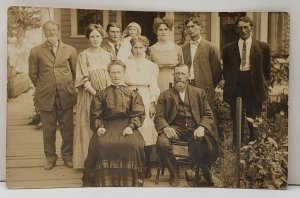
x,y
112,24
92,27
245,19
116,62
194,19
158,21
52,23
141,39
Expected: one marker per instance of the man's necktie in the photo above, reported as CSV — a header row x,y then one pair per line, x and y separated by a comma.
x,y
244,54
53,50
116,48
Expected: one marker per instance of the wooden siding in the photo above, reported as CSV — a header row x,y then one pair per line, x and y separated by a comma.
x,y
79,43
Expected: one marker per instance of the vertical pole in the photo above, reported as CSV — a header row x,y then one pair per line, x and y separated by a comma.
x,y
238,139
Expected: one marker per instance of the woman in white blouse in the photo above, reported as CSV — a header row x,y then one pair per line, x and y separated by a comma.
x,y
141,74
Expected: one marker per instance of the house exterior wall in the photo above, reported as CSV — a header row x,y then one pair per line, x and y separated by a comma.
x,y
81,43
210,23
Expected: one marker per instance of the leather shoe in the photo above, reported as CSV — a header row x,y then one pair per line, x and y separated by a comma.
x,y
49,165
190,177
147,173
174,181
69,163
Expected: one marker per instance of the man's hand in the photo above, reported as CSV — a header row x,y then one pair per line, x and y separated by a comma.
x,y
101,132
170,133
199,132
152,110
127,131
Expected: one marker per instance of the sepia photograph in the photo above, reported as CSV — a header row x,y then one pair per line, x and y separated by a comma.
x,y
111,98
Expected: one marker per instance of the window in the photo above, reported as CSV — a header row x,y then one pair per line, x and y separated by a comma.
x,y
80,18
85,17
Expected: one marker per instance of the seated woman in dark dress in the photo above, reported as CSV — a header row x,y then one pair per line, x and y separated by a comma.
x,y
116,151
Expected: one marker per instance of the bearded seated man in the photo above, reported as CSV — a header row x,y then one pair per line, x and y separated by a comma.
x,y
183,114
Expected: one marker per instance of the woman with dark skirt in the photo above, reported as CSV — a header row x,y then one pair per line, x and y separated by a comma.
x,y
116,151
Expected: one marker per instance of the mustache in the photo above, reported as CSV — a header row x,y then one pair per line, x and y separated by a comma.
x,y
182,81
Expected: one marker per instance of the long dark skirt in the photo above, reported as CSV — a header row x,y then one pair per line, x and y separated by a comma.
x,y
115,160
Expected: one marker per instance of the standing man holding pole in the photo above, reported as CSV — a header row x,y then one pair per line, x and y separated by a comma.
x,y
52,72
246,69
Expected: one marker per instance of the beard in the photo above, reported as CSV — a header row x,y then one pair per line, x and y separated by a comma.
x,y
52,39
180,85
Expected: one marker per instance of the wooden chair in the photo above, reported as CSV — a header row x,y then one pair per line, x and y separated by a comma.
x,y
180,150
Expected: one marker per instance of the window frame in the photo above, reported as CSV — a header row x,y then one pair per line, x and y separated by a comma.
x,y
74,22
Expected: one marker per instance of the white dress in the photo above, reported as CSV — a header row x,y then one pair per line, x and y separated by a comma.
x,y
125,49
141,74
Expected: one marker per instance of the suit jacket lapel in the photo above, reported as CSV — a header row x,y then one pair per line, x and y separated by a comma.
x,y
254,51
194,104
187,55
191,97
47,52
174,95
106,46
236,53
198,50
60,51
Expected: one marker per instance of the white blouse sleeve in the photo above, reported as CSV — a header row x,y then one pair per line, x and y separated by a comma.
x,y
154,90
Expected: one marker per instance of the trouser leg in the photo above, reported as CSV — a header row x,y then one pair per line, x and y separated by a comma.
x,y
202,155
65,120
165,150
49,119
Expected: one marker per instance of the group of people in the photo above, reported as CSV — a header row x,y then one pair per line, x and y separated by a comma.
x,y
131,96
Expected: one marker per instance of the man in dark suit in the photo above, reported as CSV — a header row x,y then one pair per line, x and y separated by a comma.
x,y
112,43
183,113
203,59
52,72
246,69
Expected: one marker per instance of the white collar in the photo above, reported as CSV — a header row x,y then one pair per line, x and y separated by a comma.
x,y
52,45
113,45
196,42
120,84
248,41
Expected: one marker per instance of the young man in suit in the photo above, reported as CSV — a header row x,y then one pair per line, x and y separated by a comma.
x,y
52,72
183,114
203,59
246,69
113,43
